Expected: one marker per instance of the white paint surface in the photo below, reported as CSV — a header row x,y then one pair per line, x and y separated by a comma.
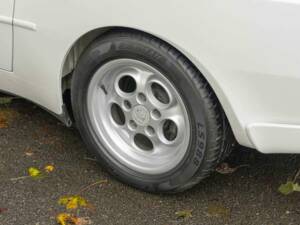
x,y
6,38
248,50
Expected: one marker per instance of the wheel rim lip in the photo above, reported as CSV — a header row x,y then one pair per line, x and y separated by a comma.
x,y
127,153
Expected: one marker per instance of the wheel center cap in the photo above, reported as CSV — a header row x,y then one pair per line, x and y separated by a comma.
x,y
141,115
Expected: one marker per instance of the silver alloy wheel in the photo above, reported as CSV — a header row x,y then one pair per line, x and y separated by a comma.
x,y
138,116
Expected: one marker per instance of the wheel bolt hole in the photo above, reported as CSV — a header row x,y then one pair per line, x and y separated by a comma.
x,y
127,105
117,114
127,84
150,131
143,142
132,125
170,130
141,98
156,114
160,93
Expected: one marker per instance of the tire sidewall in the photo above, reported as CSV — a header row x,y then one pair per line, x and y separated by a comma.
x,y
166,60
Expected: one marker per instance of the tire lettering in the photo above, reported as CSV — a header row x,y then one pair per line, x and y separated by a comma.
x,y
200,146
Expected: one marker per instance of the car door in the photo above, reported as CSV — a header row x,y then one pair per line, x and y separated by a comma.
x,y
6,34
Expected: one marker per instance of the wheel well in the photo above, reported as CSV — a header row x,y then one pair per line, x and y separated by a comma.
x,y
71,60
78,48
73,56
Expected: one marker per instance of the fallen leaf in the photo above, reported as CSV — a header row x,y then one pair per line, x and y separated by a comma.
x,y
218,210
83,221
49,168
66,219
3,120
29,152
184,214
297,187
34,172
73,202
224,168
7,116
62,218
2,210
289,188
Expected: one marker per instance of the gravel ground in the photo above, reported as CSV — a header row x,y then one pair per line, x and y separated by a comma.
x,y
32,137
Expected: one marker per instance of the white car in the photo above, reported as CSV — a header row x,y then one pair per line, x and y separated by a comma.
x,y
159,90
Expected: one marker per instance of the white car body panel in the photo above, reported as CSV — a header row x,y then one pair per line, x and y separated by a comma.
x,y
6,34
248,51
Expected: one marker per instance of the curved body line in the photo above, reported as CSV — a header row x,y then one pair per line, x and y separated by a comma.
x,y
25,24
5,20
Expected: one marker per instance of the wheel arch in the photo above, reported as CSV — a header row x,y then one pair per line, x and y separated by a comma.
x,y
79,45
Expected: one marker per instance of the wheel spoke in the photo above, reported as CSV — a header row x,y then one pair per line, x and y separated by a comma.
x,y
173,111
142,79
113,97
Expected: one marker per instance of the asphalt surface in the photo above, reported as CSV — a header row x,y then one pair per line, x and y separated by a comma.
x,y
31,137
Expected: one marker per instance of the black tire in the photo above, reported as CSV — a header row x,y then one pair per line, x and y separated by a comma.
x,y
211,137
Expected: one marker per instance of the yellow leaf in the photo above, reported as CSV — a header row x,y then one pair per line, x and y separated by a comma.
x,y
63,200
49,168
184,214
82,202
63,218
289,188
218,210
34,172
66,219
72,202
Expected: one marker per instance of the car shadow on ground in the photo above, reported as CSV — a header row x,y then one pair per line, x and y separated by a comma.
x,y
29,136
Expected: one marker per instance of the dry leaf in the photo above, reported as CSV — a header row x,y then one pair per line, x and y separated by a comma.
x,y
3,123
7,116
49,168
224,168
2,210
66,219
184,214
83,221
34,172
218,211
62,218
73,202
29,152
289,188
